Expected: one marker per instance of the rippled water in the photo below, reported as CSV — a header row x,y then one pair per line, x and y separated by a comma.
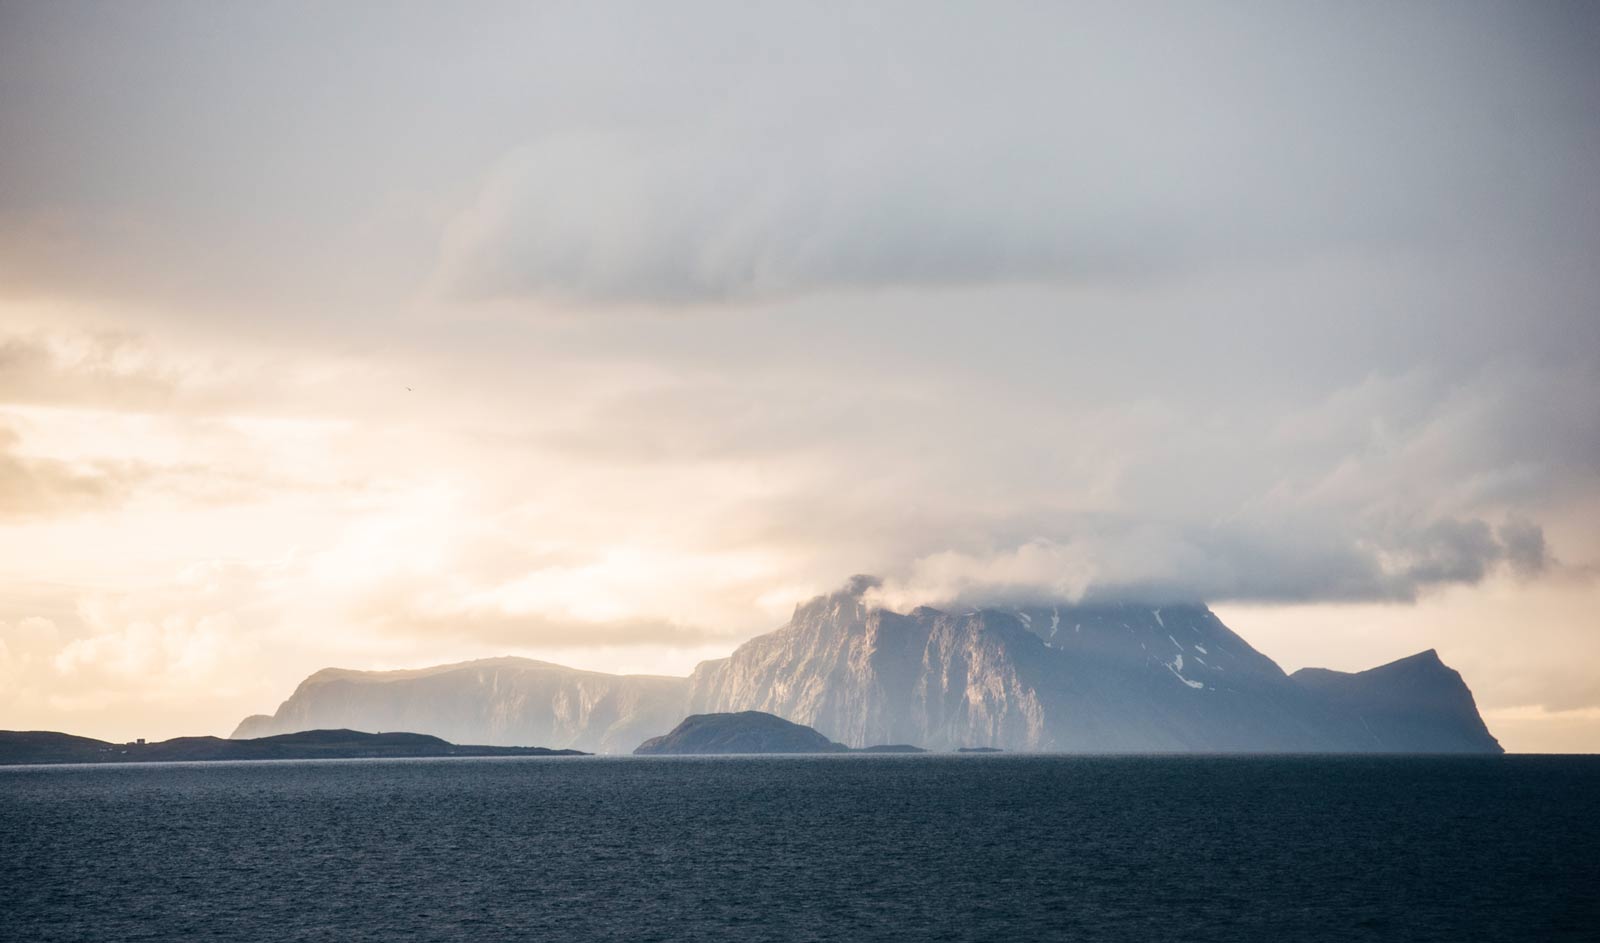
x,y
820,848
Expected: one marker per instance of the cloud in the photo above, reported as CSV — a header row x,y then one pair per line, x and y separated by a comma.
x,y
1144,561
191,640
33,487
610,220
23,640
1389,488
533,631
75,368
26,649
1525,547
626,596
1115,146
41,487
617,154
141,651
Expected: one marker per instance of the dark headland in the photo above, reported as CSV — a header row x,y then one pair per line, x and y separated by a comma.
x,y
26,747
740,732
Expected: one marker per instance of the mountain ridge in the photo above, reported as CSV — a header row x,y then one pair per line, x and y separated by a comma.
x,y
1102,676
485,701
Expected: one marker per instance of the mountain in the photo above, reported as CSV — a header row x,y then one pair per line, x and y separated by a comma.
x,y
1092,677
743,732
508,701
19,747
1414,705
1089,678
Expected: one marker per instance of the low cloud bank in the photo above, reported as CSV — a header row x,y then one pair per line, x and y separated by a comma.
x,y
1156,564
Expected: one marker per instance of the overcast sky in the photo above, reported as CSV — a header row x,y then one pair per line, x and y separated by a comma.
x,y
386,335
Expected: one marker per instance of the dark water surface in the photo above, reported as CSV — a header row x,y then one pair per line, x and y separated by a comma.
x,y
818,848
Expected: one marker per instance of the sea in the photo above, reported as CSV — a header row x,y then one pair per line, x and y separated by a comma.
x,y
850,848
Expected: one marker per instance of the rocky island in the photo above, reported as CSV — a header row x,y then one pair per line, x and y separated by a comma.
x,y
741,732
745,732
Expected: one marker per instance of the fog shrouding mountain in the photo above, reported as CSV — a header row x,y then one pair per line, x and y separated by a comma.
x,y
1093,677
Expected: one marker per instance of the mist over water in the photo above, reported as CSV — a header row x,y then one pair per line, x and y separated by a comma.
x,y
807,848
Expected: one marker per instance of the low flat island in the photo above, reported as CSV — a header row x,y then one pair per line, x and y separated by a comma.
x,y
28,747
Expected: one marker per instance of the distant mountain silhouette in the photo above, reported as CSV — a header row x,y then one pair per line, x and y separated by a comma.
x,y
743,732
1095,677
1415,705
495,700
43,746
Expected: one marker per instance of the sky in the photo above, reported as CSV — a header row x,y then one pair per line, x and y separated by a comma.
x,y
392,334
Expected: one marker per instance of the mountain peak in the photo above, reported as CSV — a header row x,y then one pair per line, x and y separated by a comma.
x,y
1429,656
845,599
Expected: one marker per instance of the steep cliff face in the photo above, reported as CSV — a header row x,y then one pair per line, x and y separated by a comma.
x,y
1080,678
864,676
499,701
1415,705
